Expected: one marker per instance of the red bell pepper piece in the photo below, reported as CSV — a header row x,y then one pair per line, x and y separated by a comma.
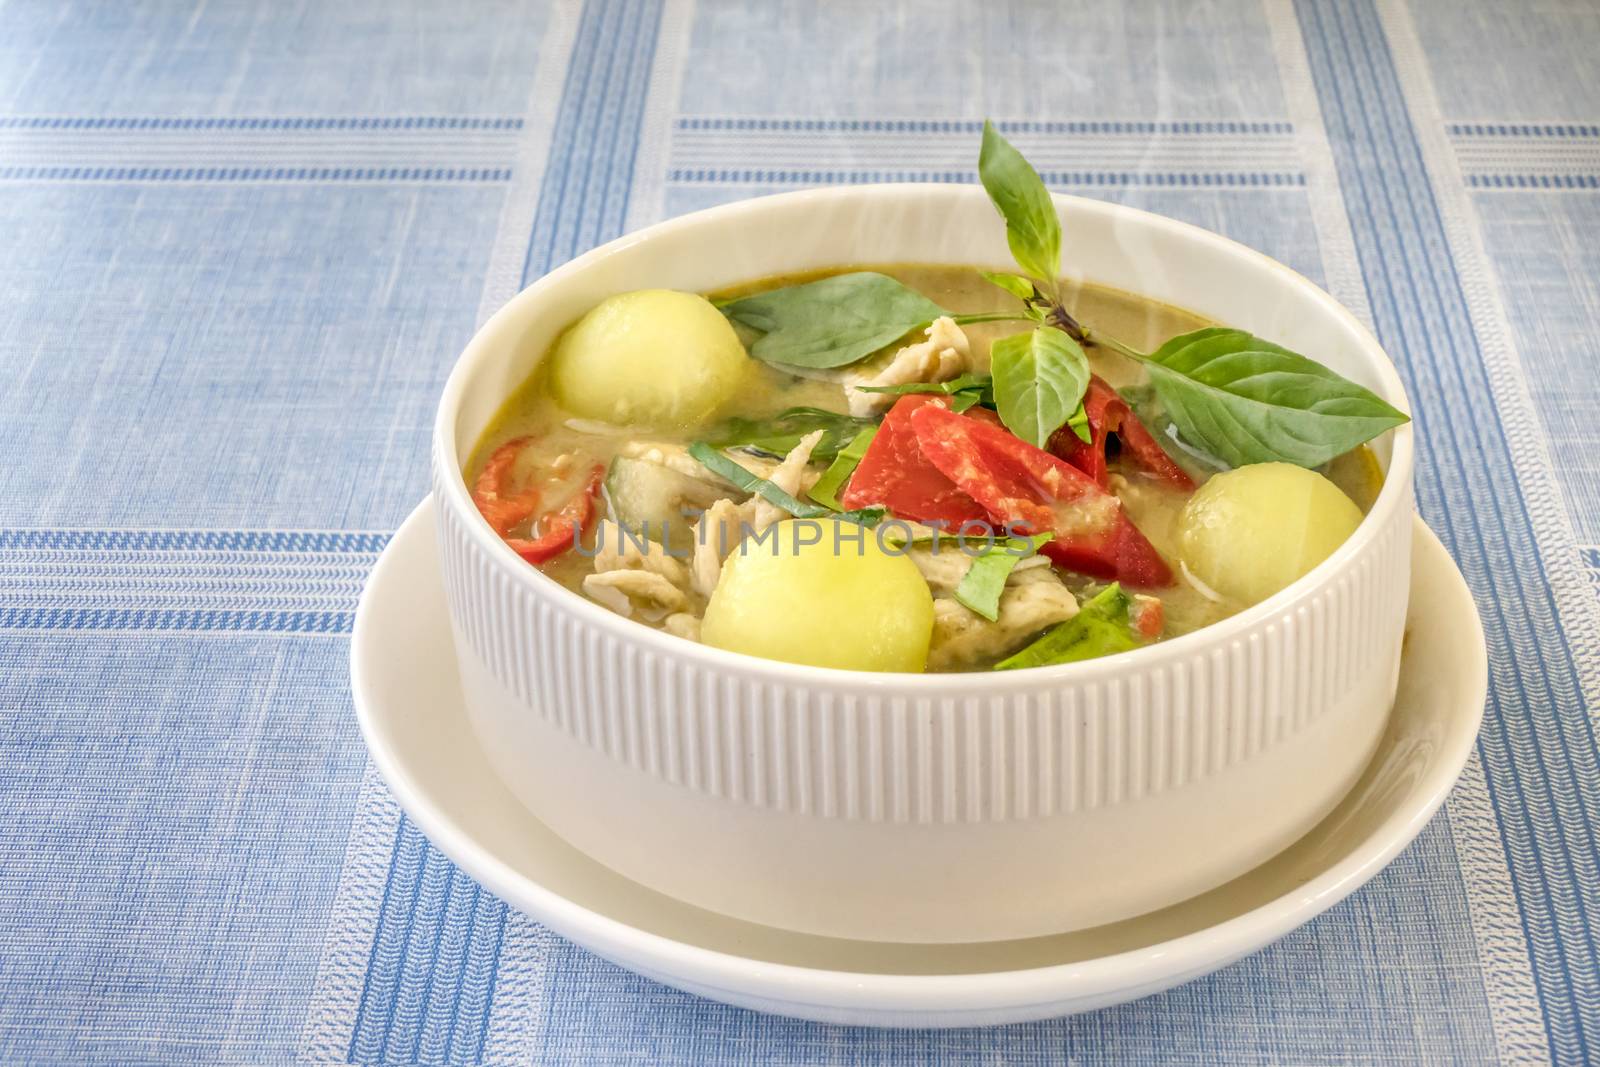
x,y
1110,414
560,530
500,506
894,473
1028,490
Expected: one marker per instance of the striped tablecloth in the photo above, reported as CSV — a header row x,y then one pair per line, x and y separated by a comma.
x,y
241,243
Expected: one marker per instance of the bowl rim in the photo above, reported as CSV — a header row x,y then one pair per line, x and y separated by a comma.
x,y
450,484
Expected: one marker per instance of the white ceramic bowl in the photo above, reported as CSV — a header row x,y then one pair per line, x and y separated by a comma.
x,y
925,808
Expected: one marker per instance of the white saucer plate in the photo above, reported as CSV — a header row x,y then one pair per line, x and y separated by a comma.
x,y
403,675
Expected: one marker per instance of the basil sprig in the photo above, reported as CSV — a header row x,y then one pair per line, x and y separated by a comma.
x,y
1039,381
1033,231
1100,628
1230,394
715,462
1245,400
831,322
985,579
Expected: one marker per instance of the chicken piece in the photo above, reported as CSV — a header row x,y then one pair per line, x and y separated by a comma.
x,y
943,569
684,625
719,530
725,524
616,550
630,592
788,476
677,458
944,355
1034,598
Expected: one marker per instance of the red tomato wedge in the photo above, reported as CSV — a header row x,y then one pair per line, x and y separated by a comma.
x,y
894,473
1110,414
560,530
1029,490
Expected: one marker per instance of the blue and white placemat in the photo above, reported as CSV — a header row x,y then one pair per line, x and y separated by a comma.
x,y
240,245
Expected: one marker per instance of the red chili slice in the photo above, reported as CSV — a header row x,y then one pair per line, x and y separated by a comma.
x,y
1148,617
501,507
560,530
894,473
1110,414
1027,489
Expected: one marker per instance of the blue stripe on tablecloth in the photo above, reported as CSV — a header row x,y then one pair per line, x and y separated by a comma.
x,y
584,200
419,1001
261,122
1521,129
739,122
304,541
255,174
1533,181
1537,745
192,581
201,620
1192,179
432,964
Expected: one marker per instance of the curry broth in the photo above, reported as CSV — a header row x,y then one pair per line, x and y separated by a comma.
x,y
570,447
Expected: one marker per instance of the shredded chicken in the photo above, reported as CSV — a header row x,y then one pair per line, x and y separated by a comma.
x,y
1034,598
676,458
635,576
684,624
616,549
943,569
725,523
627,592
944,355
787,476
716,534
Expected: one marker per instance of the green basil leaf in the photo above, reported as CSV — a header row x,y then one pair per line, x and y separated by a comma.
x,y
717,463
1039,381
826,491
1015,284
831,322
1078,423
1245,400
1033,229
778,435
969,398
1099,629
985,579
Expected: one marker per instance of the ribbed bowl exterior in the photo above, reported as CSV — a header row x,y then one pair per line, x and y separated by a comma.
x,y
880,751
